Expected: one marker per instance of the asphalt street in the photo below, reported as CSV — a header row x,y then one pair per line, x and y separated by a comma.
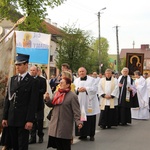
x,y
132,137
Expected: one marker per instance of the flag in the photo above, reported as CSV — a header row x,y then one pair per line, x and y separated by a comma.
x,y
7,58
35,44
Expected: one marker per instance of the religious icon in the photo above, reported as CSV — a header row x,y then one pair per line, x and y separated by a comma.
x,y
134,61
27,40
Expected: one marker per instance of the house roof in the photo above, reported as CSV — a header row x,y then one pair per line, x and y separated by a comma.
x,y
52,29
145,51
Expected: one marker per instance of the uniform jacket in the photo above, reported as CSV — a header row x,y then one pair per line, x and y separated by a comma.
x,y
42,90
21,108
63,116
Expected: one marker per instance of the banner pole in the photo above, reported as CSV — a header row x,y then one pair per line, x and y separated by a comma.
x,y
15,25
48,65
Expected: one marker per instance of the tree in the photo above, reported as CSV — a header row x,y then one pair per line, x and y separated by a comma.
x,y
104,53
92,63
74,48
122,63
35,10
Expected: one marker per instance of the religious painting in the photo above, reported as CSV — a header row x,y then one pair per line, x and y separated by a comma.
x,y
134,61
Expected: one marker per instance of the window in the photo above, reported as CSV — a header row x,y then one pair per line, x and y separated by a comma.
x,y
51,58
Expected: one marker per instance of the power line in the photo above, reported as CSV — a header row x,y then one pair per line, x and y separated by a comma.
x,y
80,5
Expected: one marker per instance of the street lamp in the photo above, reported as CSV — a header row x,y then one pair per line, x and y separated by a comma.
x,y
99,41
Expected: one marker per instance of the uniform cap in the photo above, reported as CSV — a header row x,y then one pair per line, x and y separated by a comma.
x,y
22,58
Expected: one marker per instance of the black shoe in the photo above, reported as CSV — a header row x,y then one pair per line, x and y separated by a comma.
x,y
108,127
83,137
92,138
32,141
123,124
102,127
40,139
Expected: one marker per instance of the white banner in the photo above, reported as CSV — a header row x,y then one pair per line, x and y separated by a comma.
x,y
35,44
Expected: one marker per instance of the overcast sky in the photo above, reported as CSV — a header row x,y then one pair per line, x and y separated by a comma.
x,y
132,17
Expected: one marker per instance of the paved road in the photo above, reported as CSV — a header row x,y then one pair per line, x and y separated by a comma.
x,y
132,137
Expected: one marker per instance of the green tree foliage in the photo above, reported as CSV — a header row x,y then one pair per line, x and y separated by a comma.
x,y
74,48
122,64
104,53
35,10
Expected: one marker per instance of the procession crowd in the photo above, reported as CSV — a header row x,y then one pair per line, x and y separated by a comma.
x,y
72,99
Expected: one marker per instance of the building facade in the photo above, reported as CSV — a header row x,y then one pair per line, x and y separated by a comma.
x,y
144,49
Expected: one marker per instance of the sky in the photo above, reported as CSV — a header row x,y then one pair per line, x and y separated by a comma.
x,y
131,17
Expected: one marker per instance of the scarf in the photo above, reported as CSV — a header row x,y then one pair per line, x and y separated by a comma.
x,y
59,96
124,93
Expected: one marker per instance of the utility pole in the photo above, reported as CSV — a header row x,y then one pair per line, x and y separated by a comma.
x,y
99,43
133,44
99,40
118,58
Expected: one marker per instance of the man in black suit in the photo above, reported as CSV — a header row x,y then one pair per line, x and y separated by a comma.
x,y
52,83
39,115
20,104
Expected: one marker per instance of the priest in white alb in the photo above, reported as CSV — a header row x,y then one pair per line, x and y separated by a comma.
x,y
86,89
108,91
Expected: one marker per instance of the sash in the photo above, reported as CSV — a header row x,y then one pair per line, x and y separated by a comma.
x,y
10,97
127,92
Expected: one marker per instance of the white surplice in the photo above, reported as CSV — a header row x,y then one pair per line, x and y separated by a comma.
x,y
148,85
97,80
127,86
88,100
108,90
142,112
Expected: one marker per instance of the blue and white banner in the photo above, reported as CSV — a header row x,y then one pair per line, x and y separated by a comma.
x,y
35,44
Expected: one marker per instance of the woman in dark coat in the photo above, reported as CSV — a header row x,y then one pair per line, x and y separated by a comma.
x,y
66,109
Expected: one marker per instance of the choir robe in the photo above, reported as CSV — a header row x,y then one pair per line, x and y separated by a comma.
x,y
109,114
89,105
141,112
124,100
148,88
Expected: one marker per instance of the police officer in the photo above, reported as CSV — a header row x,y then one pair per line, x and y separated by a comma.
x,y
20,104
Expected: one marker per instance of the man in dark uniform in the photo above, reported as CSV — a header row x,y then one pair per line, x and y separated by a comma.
x,y
20,104
39,115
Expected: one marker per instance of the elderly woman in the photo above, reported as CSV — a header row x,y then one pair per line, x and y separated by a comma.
x,y
66,109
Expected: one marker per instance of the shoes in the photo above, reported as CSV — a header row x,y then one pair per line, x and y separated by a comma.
x,y
108,127
40,139
123,124
32,141
102,127
83,137
92,138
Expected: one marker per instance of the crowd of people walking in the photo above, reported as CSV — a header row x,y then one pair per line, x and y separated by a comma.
x,y
73,100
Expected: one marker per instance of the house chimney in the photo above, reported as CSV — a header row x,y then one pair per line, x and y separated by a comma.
x,y
145,46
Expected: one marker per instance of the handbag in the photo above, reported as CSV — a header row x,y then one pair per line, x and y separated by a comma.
x,y
50,114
